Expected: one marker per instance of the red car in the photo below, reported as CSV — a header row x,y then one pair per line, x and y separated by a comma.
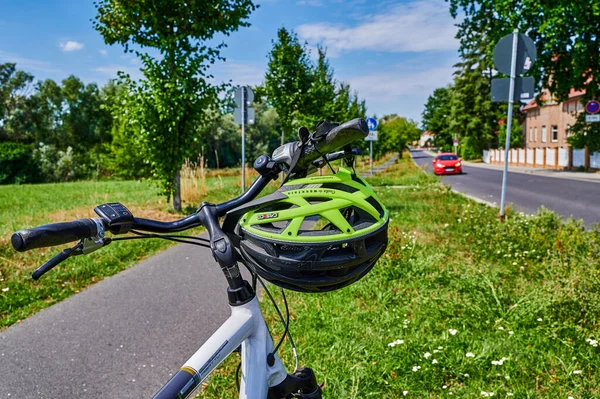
x,y
447,163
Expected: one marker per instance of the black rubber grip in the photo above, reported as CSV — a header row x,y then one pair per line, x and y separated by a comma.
x,y
337,138
53,234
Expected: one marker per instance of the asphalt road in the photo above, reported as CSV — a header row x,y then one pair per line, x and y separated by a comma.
x,y
121,338
527,192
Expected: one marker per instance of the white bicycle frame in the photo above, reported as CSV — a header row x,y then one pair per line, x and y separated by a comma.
x,y
246,327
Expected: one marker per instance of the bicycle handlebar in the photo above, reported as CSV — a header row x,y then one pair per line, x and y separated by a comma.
x,y
62,233
53,234
336,138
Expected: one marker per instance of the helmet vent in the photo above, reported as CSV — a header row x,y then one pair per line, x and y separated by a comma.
x,y
273,227
340,186
316,201
376,205
317,225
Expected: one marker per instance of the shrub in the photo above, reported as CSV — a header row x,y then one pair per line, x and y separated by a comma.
x,y
56,165
17,164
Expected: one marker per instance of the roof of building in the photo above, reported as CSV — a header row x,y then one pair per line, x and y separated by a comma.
x,y
534,104
427,133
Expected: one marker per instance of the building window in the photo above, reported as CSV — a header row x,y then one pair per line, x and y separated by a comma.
x,y
530,134
572,106
569,133
544,134
554,133
535,134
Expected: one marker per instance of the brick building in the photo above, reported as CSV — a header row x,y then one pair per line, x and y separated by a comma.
x,y
549,125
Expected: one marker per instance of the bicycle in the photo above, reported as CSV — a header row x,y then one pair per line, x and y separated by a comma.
x,y
266,236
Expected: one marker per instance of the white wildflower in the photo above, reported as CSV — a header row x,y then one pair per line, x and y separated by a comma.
x,y
469,354
452,331
5,289
577,372
396,342
498,362
434,361
444,387
500,328
426,355
405,393
416,368
539,319
510,333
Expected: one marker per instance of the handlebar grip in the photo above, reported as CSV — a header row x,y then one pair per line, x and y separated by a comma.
x,y
53,234
337,138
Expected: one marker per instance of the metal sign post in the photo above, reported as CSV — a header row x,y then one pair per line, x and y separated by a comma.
x,y
243,140
243,114
511,93
522,55
373,136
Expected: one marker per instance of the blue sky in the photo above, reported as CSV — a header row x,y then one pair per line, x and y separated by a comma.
x,y
394,53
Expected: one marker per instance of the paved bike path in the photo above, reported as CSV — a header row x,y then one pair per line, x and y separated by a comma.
x,y
381,168
122,337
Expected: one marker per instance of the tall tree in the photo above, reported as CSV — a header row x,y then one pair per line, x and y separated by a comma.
x,y
565,32
436,116
395,133
288,80
321,94
15,87
169,103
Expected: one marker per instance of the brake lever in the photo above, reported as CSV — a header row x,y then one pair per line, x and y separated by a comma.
x,y
80,249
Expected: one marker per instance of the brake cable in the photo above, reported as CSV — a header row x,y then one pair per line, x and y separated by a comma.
x,y
285,323
176,238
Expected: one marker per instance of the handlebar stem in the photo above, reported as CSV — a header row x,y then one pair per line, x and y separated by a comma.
x,y
222,249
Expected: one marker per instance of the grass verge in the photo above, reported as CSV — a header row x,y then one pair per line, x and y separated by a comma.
x,y
459,306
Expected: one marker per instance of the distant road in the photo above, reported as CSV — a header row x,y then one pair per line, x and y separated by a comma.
x,y
527,192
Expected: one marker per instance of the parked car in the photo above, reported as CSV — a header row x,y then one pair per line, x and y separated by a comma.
x,y
447,163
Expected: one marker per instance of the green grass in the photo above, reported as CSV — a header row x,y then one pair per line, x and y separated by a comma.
x,y
507,309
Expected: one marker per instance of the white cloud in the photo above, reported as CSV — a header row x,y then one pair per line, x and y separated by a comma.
x,y
103,52
313,3
71,45
111,71
27,63
421,25
238,73
403,90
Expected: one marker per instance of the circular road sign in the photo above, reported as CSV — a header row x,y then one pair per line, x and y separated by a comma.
x,y
592,107
372,123
526,54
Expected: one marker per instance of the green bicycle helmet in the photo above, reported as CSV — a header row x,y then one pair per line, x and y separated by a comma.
x,y
315,234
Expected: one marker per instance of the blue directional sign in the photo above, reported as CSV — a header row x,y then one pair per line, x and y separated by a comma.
x,y
372,123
